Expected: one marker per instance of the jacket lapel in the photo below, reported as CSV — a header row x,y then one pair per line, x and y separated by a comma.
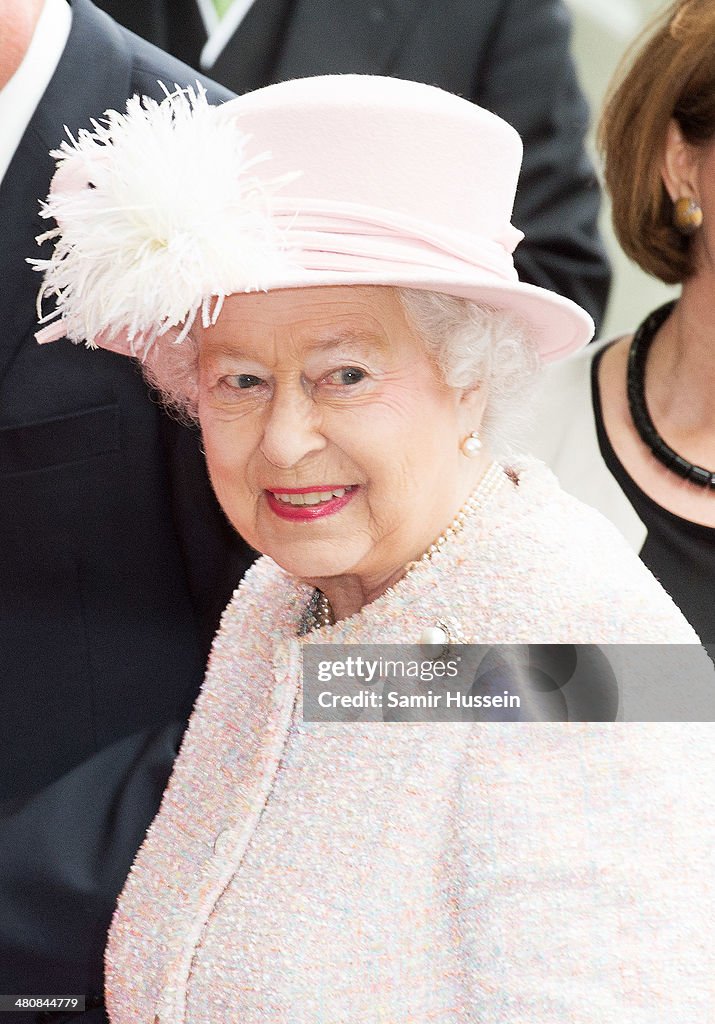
x,y
231,754
355,36
70,99
20,223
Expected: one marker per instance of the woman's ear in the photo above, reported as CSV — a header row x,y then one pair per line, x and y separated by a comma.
x,y
679,170
472,406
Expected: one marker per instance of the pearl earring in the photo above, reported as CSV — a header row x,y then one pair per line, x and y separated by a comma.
x,y
472,445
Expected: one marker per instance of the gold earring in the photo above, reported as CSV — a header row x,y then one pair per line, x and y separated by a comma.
x,y
687,215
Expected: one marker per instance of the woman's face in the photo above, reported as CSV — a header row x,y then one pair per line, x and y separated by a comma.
x,y
332,444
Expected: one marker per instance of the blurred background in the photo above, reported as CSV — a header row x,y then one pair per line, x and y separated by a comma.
x,y
602,32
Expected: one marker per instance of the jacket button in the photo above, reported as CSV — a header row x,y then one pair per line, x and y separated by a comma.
x,y
434,642
223,841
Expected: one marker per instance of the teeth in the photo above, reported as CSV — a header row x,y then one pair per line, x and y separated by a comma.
x,y
312,498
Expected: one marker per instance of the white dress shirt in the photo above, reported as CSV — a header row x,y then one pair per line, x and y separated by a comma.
x,y
20,96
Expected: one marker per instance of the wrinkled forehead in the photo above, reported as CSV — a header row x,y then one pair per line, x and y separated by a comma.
x,y
315,318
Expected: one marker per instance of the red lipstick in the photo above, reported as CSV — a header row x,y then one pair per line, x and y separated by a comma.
x,y
307,513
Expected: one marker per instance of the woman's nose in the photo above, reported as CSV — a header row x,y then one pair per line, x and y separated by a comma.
x,y
292,428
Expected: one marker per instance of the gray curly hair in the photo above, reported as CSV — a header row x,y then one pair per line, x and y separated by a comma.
x,y
471,345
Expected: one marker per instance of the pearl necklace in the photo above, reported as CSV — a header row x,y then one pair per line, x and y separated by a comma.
x,y
318,612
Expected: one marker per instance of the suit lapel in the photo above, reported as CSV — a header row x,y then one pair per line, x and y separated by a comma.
x,y
19,224
69,99
349,36
247,60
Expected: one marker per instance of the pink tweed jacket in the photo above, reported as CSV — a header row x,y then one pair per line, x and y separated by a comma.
x,y
430,873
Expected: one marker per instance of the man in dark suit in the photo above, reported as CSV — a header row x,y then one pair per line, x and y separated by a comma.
x,y
511,56
115,559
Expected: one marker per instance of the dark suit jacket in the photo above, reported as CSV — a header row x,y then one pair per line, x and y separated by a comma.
x,y
511,56
115,563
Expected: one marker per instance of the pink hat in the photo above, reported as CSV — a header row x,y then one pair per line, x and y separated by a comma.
x,y
346,179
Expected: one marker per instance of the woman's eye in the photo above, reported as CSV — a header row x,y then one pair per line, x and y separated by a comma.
x,y
243,381
346,376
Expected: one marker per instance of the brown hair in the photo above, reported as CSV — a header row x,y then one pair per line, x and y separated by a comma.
x,y
668,73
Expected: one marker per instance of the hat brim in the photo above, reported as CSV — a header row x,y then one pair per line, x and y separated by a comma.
x,y
556,325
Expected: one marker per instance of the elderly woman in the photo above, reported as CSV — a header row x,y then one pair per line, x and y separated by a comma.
x,y
629,424
320,272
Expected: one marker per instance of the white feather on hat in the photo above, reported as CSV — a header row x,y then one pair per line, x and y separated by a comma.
x,y
137,242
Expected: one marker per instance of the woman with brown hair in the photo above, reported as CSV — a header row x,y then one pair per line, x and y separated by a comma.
x,y
629,425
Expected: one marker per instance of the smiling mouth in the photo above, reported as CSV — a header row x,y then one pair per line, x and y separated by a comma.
x,y
317,497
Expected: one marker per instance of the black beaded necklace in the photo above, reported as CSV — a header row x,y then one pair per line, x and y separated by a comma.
x,y
637,356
